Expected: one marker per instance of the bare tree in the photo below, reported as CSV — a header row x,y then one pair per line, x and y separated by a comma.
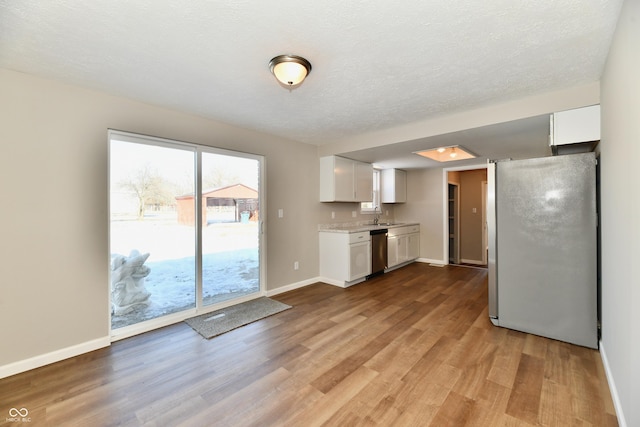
x,y
219,175
149,188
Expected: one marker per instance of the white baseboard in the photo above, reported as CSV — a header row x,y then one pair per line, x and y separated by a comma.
x,y
472,261
52,357
612,387
340,283
76,350
432,261
293,286
333,282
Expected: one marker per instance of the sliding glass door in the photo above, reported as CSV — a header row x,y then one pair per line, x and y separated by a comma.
x,y
230,232
175,254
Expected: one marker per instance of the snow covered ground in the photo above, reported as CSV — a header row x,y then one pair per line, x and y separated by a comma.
x,y
230,263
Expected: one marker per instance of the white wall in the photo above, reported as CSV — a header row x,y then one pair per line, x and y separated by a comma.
x,y
620,175
53,233
424,196
560,100
424,188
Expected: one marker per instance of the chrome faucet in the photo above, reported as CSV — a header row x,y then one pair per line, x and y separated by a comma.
x,y
376,218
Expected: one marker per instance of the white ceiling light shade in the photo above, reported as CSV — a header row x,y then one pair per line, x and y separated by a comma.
x,y
290,70
447,154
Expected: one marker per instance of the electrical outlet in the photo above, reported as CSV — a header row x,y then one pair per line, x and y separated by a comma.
x,y
280,213
333,215
296,265
354,214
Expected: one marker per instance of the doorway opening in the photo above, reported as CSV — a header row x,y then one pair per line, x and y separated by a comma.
x,y
465,211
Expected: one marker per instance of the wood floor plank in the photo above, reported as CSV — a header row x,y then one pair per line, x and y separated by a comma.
x,y
535,346
411,347
494,397
294,401
455,411
554,397
507,357
524,402
335,399
325,338
557,367
377,400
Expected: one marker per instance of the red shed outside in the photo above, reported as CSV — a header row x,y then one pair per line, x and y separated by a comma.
x,y
239,199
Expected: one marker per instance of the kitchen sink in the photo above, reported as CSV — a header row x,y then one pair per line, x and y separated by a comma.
x,y
386,224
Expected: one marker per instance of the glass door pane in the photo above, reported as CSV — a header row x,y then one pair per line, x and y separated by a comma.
x,y
230,226
152,230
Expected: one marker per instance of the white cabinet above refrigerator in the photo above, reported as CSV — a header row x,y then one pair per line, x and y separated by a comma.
x,y
570,130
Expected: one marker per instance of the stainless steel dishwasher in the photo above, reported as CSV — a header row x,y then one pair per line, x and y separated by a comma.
x,y
378,251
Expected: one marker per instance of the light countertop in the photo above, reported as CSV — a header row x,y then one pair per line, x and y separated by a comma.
x,y
356,228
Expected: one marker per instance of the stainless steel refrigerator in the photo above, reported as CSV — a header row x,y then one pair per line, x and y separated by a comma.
x,y
542,224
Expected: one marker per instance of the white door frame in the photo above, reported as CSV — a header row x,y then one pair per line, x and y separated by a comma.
x,y
485,236
456,225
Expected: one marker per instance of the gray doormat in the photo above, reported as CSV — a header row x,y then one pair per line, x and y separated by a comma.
x,y
224,320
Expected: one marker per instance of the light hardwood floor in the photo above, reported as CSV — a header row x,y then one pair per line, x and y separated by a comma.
x,y
410,348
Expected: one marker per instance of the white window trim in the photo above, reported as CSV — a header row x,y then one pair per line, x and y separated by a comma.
x,y
375,207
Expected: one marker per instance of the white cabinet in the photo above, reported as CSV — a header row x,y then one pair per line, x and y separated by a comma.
x,y
394,185
363,181
345,258
574,126
392,251
359,260
397,250
345,180
413,246
403,245
341,170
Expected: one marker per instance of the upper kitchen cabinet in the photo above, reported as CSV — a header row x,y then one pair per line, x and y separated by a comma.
x,y
345,180
393,183
576,130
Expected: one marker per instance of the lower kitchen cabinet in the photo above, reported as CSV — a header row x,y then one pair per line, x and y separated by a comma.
x,y
403,245
345,258
393,243
414,245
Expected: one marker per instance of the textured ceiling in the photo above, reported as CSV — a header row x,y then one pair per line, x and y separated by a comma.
x,y
518,139
376,64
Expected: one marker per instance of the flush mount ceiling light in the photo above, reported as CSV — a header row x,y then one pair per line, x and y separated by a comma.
x,y
290,70
447,154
